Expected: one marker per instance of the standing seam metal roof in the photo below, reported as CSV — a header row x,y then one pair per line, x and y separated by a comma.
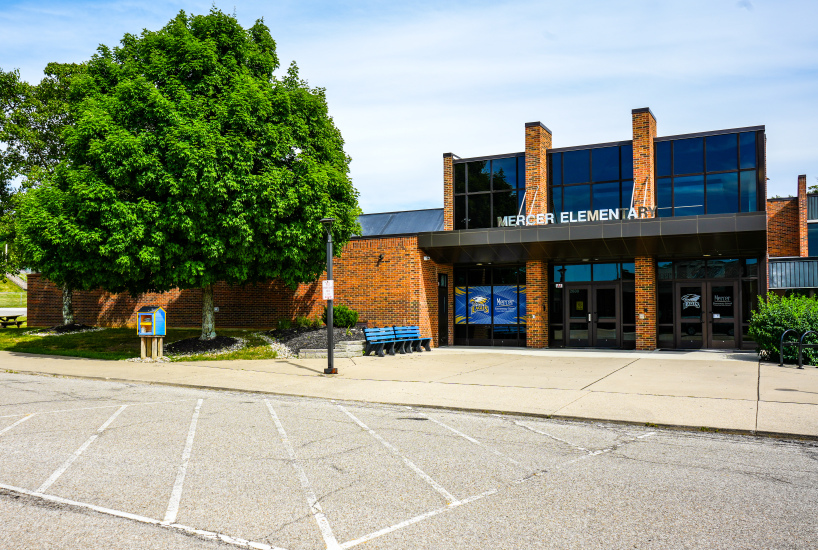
x,y
401,223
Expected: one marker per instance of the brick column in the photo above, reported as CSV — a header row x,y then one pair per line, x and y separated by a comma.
x,y
803,243
645,303
537,143
644,131
448,191
536,279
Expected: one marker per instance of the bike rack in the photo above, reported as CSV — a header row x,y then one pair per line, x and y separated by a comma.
x,y
783,343
802,345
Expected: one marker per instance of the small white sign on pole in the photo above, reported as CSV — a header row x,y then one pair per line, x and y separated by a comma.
x,y
329,290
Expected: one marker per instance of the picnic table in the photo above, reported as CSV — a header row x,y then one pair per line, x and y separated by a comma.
x,y
9,320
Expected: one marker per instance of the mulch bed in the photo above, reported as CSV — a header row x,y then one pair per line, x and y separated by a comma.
x,y
309,338
65,329
194,345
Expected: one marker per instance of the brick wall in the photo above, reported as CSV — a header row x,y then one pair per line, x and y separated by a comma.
x,y
645,303
448,192
536,283
538,140
398,289
644,132
803,243
783,234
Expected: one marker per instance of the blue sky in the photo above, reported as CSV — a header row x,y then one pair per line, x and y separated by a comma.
x,y
409,81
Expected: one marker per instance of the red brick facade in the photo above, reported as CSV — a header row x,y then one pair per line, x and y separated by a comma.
x,y
783,235
644,132
537,143
645,303
803,244
448,192
536,279
398,289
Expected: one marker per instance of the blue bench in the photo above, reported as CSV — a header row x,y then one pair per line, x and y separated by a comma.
x,y
415,340
379,340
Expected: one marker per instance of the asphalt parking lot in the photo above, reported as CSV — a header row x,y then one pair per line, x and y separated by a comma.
x,y
93,464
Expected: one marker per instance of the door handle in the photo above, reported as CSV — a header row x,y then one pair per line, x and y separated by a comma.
x,y
589,317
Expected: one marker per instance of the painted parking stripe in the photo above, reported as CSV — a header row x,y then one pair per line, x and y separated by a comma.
x,y
56,475
555,438
211,535
437,487
470,439
312,500
179,484
7,428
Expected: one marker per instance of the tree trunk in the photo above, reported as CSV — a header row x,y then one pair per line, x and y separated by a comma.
x,y
67,305
208,315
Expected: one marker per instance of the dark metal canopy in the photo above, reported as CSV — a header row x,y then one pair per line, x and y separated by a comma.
x,y
401,223
729,235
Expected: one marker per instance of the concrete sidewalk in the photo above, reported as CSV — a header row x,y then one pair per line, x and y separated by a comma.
x,y
701,389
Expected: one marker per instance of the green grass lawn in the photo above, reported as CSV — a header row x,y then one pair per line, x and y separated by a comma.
x,y
121,343
12,295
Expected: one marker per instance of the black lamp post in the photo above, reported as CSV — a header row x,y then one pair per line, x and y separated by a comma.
x,y
330,345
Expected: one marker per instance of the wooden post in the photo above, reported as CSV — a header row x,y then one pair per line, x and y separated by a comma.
x,y
142,347
154,348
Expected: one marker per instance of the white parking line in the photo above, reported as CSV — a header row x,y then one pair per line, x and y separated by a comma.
x,y
555,438
7,428
56,475
235,541
312,500
470,439
178,486
446,494
99,407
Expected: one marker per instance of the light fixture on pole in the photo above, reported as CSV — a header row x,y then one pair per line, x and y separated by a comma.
x,y
329,296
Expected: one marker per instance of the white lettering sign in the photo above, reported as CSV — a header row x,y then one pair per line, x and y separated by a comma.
x,y
579,216
691,300
329,290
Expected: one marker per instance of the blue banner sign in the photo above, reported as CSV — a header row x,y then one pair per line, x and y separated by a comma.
x,y
484,305
505,305
479,305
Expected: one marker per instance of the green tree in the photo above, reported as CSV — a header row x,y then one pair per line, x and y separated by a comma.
x,y
189,163
32,118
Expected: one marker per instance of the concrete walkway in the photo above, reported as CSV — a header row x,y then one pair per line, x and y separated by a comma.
x,y
727,391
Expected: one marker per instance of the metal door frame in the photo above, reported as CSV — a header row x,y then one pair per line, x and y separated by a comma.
x,y
592,316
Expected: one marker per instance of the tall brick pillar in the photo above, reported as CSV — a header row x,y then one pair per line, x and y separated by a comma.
x,y
536,304
537,143
645,303
644,132
803,243
448,191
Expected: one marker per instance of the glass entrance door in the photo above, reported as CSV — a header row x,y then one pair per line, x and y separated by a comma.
x,y
707,315
605,310
690,302
579,317
721,322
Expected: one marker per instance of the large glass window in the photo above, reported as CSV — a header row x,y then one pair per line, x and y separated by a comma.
x,y
717,174
490,305
812,239
591,179
488,189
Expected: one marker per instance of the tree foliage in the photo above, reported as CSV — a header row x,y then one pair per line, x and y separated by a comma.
x,y
188,162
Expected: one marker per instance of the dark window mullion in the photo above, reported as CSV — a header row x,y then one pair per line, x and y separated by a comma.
x,y
704,164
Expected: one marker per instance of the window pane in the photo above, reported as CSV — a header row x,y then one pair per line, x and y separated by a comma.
x,y
479,276
690,269
722,193
626,152
747,144
555,313
664,271
722,152
521,275
461,276
627,191
576,198
556,201
628,271
479,210
664,313
605,164
606,272
812,239
575,273
520,171
664,198
505,204
749,188
688,195
504,276
749,299
688,156
606,195
504,174
576,167
555,168
663,158
479,175
723,269
460,178
460,212
751,267
628,303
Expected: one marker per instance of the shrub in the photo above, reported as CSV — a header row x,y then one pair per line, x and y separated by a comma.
x,y
342,316
284,324
777,314
302,321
